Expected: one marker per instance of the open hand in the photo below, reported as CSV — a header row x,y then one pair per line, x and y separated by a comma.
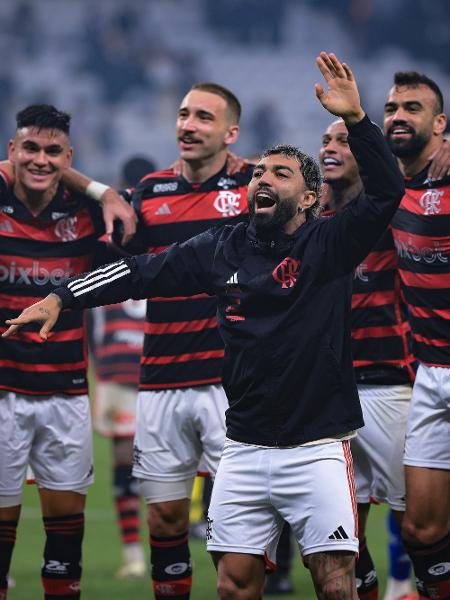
x,y
45,311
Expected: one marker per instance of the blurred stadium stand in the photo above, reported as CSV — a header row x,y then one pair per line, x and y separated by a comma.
x,y
121,67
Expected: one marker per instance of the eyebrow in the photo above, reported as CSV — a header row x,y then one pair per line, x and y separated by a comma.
x,y
53,147
408,103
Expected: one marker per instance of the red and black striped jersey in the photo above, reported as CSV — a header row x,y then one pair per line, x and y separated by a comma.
x,y
421,229
37,253
117,336
182,346
381,334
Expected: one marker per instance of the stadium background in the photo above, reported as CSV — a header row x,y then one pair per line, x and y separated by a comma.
x,y
120,68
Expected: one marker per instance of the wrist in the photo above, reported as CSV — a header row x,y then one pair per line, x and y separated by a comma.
x,y
95,190
354,118
57,299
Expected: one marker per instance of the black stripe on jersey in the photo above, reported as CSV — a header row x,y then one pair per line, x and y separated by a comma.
x,y
183,343
31,353
433,298
435,355
42,383
192,309
26,247
432,327
377,281
390,348
373,316
163,235
425,226
180,374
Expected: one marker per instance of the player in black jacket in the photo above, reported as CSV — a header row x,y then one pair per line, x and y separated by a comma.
x,y
284,288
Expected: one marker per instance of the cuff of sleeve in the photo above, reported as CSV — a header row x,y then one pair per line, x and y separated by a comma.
x,y
360,127
65,295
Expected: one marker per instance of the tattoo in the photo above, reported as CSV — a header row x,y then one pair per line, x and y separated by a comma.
x,y
58,299
44,311
333,574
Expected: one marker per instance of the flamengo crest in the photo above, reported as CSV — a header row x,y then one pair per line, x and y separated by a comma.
x,y
286,272
430,202
228,203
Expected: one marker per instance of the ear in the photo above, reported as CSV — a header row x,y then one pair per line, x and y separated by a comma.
x,y
439,124
232,134
11,150
69,157
308,199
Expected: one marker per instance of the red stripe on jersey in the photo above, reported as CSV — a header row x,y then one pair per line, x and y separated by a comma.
x,y
366,363
375,332
157,249
421,248
112,326
423,312
43,367
41,270
178,298
380,261
69,335
50,392
160,174
426,202
431,342
167,360
17,302
425,280
373,299
196,206
61,587
76,227
180,326
178,384
115,349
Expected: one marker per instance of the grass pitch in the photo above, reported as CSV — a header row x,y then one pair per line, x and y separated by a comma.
x,y
102,552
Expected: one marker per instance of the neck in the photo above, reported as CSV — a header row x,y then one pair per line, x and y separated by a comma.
x,y
197,171
336,196
36,201
411,165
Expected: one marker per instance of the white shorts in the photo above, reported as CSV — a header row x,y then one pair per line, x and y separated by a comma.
x,y
379,446
177,428
53,435
428,429
114,412
257,489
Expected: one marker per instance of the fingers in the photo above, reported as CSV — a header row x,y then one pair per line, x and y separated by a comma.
x,y
129,227
348,72
320,93
12,329
46,327
331,67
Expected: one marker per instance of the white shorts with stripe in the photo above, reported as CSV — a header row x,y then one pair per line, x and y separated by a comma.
x,y
114,411
428,429
257,489
175,430
379,446
52,435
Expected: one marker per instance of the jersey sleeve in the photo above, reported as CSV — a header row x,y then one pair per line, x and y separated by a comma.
x,y
348,236
181,270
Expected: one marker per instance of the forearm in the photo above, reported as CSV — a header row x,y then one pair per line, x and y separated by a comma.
x,y
82,184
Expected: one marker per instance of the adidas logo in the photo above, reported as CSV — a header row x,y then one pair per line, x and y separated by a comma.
x,y
339,534
233,280
164,209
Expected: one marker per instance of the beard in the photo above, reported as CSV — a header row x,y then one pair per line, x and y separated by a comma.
x,y
408,148
266,224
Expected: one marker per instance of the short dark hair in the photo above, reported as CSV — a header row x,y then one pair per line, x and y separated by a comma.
x,y
234,106
308,168
43,116
413,79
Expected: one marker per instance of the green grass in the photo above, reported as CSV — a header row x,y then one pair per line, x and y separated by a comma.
x,y
102,553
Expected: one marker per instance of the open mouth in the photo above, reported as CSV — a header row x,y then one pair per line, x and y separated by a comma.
x,y
188,142
401,131
264,201
330,163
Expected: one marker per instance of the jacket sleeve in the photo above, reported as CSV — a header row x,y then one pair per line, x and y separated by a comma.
x,y
349,236
181,270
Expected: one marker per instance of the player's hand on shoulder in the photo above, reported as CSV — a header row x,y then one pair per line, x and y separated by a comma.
x,y
116,208
45,311
440,162
342,96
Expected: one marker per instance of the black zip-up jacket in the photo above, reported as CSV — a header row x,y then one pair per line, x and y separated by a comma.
x,y
283,305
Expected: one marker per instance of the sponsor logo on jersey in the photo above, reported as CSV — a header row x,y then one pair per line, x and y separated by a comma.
x,y
228,203
425,254
54,566
171,186
286,272
58,215
226,182
430,201
439,569
36,274
233,280
66,230
359,272
9,210
177,568
164,209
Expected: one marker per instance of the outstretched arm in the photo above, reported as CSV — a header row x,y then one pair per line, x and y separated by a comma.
x,y
45,311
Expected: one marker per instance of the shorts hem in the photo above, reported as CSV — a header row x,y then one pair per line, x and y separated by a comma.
x,y
234,549
161,479
351,547
429,464
64,487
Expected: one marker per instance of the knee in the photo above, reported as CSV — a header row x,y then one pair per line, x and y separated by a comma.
x,y
421,534
167,519
233,588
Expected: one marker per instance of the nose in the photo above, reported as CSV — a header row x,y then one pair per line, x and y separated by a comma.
x,y
188,123
41,158
399,114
